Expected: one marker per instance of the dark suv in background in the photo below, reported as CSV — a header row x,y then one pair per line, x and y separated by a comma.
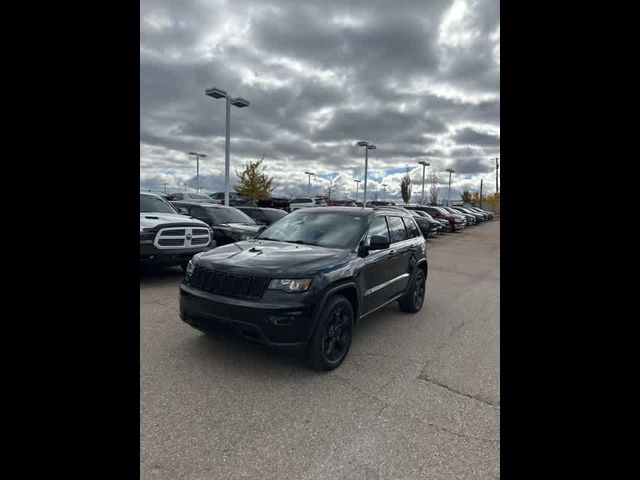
x,y
306,281
234,199
263,216
229,224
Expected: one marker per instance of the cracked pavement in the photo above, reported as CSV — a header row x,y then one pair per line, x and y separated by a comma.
x,y
418,396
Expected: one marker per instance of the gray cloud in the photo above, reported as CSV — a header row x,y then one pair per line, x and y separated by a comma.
x,y
469,136
420,79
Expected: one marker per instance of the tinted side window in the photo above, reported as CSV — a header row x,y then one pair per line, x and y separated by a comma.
x,y
197,212
258,215
377,227
396,229
412,228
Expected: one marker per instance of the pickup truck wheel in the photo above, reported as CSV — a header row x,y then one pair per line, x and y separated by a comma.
x,y
414,299
331,342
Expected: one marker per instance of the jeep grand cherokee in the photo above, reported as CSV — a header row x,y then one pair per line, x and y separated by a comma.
x,y
306,281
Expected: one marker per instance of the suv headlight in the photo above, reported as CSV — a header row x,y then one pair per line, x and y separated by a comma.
x,y
190,268
290,285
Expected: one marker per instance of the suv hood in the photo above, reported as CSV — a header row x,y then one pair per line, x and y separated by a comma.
x,y
267,258
151,220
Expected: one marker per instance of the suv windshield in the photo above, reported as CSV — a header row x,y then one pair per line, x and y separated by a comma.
x,y
228,215
331,229
151,203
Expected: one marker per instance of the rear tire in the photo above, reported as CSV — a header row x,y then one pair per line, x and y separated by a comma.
x,y
331,341
414,298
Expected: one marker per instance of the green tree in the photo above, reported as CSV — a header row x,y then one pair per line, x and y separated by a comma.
x,y
405,188
475,200
253,182
466,196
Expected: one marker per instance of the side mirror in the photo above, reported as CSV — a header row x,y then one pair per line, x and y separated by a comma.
x,y
378,242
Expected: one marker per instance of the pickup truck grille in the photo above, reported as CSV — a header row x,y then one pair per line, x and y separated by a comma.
x,y
184,237
227,284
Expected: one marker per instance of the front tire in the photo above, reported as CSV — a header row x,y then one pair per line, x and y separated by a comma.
x,y
331,342
414,299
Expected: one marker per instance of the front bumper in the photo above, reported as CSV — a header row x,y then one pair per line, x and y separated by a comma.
x,y
151,255
266,321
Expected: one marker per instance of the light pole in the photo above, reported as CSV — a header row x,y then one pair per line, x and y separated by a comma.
x,y
367,146
449,199
236,102
357,185
309,188
424,164
198,157
384,192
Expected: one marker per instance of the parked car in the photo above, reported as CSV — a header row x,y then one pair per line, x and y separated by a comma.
x,y
341,203
378,203
275,202
307,281
168,238
229,224
428,227
470,219
489,215
306,202
263,216
446,226
457,221
234,199
480,217
187,197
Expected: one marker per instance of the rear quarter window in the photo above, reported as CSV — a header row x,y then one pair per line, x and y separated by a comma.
x,y
412,228
396,229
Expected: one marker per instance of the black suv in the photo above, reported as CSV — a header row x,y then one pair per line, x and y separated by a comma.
x,y
227,223
307,280
263,216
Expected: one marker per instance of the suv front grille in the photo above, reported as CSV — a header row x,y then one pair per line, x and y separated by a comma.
x,y
185,237
227,284
170,233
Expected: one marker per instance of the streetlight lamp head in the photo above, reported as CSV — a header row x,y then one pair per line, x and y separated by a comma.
x,y
426,164
202,155
193,153
357,181
362,144
451,170
216,92
309,173
240,102
372,147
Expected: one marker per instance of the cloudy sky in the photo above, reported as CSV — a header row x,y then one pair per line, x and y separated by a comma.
x,y
420,79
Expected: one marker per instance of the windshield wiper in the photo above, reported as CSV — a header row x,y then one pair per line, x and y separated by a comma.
x,y
302,242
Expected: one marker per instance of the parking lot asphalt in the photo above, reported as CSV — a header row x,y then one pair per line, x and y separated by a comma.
x,y
417,397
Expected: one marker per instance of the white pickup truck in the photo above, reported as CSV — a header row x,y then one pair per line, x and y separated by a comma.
x,y
166,236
